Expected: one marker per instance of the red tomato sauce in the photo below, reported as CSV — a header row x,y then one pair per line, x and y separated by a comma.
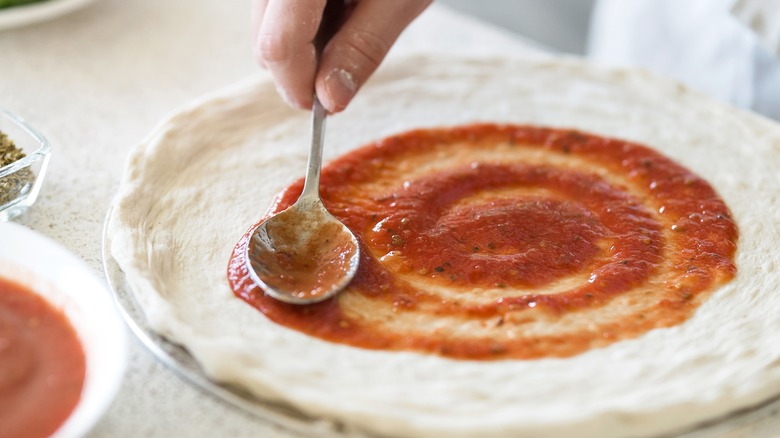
x,y
658,231
42,364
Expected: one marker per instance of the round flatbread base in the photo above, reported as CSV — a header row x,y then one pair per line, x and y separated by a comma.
x,y
193,187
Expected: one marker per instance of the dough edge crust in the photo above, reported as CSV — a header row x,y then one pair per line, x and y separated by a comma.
x,y
172,237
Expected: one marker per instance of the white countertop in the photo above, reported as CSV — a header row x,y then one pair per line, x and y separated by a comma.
x,y
96,82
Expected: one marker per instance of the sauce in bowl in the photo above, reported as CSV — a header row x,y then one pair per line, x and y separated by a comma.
x,y
42,364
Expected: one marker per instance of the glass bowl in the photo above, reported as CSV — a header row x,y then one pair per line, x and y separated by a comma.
x,y
21,180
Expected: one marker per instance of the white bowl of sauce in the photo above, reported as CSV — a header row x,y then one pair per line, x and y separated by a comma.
x,y
62,343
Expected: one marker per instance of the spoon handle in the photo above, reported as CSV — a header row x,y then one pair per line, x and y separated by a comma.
x,y
332,18
312,185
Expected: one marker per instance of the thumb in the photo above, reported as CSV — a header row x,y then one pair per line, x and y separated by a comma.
x,y
361,44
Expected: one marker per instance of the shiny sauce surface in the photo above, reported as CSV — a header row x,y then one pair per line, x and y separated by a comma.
x,y
493,241
42,364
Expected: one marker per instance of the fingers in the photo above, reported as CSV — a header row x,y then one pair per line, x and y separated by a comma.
x,y
258,10
359,47
284,46
285,30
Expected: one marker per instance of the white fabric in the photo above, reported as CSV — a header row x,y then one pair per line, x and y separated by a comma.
x,y
726,48
763,17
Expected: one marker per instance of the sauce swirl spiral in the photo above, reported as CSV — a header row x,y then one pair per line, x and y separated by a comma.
x,y
511,242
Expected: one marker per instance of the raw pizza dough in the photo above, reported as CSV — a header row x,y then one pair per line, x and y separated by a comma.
x,y
193,187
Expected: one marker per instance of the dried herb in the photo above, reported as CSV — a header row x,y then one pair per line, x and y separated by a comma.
x,y
18,183
8,151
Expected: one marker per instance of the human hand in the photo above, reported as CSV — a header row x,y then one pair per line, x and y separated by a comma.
x,y
284,33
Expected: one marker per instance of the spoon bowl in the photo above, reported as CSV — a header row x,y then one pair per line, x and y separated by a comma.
x,y
303,254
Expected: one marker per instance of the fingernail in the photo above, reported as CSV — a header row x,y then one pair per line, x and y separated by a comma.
x,y
341,87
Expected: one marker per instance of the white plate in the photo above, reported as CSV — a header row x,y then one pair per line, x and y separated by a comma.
x,y
27,14
63,279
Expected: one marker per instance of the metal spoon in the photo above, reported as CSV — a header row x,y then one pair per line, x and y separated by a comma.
x,y
303,254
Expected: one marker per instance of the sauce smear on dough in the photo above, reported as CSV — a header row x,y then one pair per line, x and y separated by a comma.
x,y
42,364
500,241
